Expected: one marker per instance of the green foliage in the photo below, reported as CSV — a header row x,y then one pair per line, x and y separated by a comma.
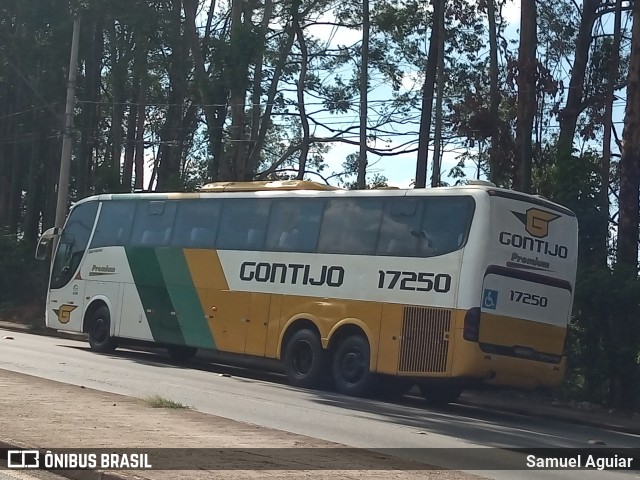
x,y
604,343
23,279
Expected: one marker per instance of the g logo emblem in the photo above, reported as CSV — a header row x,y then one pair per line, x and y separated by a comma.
x,y
536,221
64,313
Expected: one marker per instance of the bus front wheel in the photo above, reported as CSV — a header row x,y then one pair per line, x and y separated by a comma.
x,y
99,331
305,360
351,372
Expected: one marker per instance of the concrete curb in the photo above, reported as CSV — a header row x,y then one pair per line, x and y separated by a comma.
x,y
71,474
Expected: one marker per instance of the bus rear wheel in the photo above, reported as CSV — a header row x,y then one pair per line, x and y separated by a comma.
x,y
305,360
181,353
99,331
439,396
350,367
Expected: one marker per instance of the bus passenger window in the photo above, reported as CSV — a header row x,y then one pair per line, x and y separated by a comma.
x,y
294,225
426,245
446,219
156,237
196,223
350,226
153,223
399,232
200,237
243,224
114,224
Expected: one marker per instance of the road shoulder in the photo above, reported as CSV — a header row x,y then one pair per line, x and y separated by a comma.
x,y
43,414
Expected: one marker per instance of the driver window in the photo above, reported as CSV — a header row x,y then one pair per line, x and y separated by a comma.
x,y
73,243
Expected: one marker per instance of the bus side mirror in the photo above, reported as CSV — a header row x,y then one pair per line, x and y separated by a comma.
x,y
45,241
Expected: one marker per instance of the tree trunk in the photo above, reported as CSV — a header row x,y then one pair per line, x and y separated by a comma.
x,y
172,135
623,371
265,120
89,138
239,70
427,95
495,156
34,189
630,161
526,107
118,86
364,93
139,156
140,53
573,107
130,143
256,94
304,151
15,188
437,135
6,119
201,80
607,124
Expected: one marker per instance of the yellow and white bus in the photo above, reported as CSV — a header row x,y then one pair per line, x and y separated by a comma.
x,y
445,288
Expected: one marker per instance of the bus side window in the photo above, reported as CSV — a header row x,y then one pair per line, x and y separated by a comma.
x,y
446,219
294,225
156,237
200,237
426,244
153,223
114,224
399,232
243,224
196,223
350,226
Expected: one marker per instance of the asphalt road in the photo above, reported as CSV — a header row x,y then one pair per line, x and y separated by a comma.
x,y
265,399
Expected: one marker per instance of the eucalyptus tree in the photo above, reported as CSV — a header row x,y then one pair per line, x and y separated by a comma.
x,y
527,65
628,219
34,43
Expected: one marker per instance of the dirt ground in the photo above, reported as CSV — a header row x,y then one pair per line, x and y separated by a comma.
x,y
40,413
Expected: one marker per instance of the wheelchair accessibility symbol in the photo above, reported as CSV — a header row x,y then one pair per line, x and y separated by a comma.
x,y
489,299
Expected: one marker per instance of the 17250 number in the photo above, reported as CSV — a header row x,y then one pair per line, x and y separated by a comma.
x,y
414,281
529,298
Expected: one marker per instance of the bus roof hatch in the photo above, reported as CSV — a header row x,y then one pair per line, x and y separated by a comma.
x,y
265,186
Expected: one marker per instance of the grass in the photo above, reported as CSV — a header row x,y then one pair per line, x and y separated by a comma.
x,y
158,401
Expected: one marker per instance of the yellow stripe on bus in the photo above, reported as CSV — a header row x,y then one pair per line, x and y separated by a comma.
x,y
206,270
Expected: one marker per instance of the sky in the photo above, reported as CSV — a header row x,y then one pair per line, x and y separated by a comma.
x,y
400,169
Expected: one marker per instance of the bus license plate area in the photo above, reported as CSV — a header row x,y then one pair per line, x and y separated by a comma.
x,y
522,299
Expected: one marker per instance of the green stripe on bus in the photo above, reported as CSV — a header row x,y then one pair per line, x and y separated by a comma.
x,y
184,297
149,281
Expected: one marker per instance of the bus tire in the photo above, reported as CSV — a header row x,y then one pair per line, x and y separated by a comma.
x,y
350,367
305,360
439,396
99,330
181,353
